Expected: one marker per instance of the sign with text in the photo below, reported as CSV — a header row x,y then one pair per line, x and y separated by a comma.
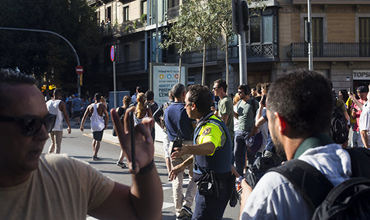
x,y
164,78
361,74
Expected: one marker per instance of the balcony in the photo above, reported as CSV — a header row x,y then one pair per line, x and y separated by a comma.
x,y
255,53
332,51
131,67
127,27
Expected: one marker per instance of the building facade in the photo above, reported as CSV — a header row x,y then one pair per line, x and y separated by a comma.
x,y
275,42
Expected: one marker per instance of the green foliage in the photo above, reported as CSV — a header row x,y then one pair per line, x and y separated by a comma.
x,y
143,18
39,53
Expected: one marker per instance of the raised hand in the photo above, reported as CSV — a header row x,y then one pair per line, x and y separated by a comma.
x,y
144,147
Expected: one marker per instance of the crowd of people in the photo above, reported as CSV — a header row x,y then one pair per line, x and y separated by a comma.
x,y
216,144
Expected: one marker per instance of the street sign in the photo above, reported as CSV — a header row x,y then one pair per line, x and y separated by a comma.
x,y
79,70
112,53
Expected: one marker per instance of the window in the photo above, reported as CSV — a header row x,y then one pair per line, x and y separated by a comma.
x,y
267,27
255,29
173,3
262,28
108,14
143,7
364,38
125,14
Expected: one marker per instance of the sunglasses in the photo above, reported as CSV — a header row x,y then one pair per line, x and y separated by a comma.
x,y
30,125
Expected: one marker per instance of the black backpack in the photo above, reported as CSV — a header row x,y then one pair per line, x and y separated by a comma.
x,y
348,200
338,126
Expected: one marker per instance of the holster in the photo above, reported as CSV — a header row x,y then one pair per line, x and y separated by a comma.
x,y
207,184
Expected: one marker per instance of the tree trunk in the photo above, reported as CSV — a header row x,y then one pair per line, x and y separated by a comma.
x,y
204,65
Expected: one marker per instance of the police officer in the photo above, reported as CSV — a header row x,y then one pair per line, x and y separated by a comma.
x,y
212,156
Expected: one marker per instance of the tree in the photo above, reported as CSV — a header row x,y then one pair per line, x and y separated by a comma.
x,y
44,55
195,29
181,37
223,10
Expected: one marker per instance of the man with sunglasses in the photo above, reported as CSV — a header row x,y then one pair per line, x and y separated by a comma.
x,y
53,186
58,108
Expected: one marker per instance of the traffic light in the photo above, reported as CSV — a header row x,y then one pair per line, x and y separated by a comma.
x,y
240,16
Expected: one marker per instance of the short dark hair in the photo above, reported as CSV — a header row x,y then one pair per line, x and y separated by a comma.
x,y
177,90
221,84
97,96
11,77
201,97
149,95
304,99
245,89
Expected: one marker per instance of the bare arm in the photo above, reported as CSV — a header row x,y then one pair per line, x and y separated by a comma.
x,y
260,121
346,115
88,109
363,134
197,149
359,104
245,194
106,118
62,108
236,115
177,169
225,118
146,191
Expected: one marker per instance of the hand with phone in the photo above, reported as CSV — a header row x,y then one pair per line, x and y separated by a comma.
x,y
136,141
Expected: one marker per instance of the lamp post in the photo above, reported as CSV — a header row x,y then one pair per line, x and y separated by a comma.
x,y
309,31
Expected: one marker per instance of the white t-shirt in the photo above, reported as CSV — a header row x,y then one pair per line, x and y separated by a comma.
x,y
96,121
61,188
364,123
53,108
274,196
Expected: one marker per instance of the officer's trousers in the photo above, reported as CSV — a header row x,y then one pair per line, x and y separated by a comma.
x,y
212,207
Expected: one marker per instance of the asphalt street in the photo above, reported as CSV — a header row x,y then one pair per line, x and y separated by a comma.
x,y
78,145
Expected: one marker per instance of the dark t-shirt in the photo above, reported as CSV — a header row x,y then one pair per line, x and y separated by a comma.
x,y
176,118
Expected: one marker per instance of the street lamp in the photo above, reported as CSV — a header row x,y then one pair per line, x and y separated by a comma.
x,y
309,33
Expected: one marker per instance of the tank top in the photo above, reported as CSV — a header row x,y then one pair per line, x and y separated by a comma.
x,y
53,108
97,121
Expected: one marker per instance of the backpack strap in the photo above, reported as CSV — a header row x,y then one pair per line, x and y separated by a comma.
x,y
307,180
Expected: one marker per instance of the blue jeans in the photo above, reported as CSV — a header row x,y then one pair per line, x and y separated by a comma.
x,y
240,148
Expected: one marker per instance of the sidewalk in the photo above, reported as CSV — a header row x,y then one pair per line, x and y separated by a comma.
x,y
109,138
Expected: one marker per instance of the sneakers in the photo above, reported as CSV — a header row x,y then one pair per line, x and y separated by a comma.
x,y
185,213
96,158
121,164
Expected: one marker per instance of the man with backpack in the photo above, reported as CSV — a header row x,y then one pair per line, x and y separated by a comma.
x,y
299,125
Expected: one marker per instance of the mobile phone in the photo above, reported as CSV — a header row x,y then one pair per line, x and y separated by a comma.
x,y
132,136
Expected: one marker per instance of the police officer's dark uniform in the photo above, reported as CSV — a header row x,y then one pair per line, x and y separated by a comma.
x,y
212,169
